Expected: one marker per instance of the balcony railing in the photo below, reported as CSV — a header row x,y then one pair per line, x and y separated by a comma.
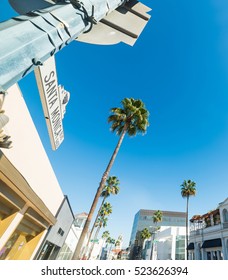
x,y
206,229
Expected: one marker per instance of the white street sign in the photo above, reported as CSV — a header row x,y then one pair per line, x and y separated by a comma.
x,y
47,82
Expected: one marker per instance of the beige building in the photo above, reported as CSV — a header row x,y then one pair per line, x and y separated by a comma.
x,y
27,184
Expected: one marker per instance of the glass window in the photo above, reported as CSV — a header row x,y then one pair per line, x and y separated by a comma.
x,y
208,255
225,215
78,222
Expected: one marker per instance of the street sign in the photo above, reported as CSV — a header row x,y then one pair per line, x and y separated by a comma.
x,y
94,240
46,78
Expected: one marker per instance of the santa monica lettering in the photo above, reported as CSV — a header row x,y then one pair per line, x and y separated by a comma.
x,y
57,122
51,89
52,99
51,95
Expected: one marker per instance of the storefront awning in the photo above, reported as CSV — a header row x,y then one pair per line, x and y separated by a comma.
x,y
191,246
212,243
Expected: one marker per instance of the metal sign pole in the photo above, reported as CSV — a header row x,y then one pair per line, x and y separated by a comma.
x,y
28,40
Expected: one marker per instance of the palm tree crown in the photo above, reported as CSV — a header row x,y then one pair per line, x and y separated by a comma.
x,y
145,234
106,209
112,187
188,188
157,217
132,118
105,234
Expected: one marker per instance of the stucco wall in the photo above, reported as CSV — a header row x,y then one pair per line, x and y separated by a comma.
x,y
28,154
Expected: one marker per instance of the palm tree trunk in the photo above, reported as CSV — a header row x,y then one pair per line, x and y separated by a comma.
x,y
91,232
152,246
187,227
95,237
76,255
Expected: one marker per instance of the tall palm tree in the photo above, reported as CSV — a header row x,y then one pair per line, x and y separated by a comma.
x,y
157,218
101,222
108,240
105,235
187,189
112,241
117,243
131,118
112,187
144,234
105,211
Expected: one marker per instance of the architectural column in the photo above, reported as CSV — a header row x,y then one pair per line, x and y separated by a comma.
x,y
224,248
14,223
173,252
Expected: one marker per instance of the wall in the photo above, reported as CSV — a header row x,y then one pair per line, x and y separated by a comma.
x,y
28,154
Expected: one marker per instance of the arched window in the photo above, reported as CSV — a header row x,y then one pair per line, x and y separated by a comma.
x,y
225,215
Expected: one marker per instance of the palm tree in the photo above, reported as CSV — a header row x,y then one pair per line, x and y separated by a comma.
x,y
117,243
112,241
131,119
187,189
143,235
105,211
110,188
101,222
108,240
157,218
105,235
119,240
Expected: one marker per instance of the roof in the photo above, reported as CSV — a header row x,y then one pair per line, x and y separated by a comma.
x,y
206,215
164,213
83,214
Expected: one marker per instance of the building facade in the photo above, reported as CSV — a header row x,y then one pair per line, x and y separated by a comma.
x,y
168,244
208,238
57,234
27,184
172,229
69,246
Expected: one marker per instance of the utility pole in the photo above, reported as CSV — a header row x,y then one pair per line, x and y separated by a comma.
x,y
27,41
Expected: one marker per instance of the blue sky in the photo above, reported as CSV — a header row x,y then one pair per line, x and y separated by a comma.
x,y
179,68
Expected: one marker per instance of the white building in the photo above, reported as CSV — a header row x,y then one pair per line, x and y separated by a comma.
x,y
208,238
27,184
74,234
170,236
168,244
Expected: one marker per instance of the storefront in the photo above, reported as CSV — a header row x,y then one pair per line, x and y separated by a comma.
x,y
24,218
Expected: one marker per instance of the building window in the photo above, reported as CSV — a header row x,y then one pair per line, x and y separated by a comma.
x,y
61,232
225,215
208,255
78,222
